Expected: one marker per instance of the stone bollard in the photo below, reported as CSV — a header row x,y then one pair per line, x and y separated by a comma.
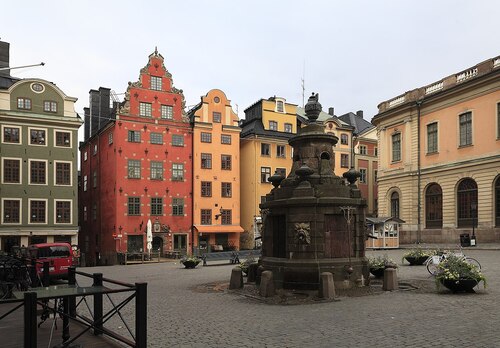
x,y
252,272
390,279
258,274
236,281
326,286
266,288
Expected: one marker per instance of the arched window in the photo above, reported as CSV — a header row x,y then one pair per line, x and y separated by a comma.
x,y
395,205
434,206
466,202
497,202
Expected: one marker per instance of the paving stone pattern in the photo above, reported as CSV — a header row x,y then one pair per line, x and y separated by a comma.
x,y
179,316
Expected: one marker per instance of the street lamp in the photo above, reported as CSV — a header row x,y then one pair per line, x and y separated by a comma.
x,y
473,207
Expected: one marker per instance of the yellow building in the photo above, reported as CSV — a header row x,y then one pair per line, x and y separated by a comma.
x,y
439,157
264,149
216,174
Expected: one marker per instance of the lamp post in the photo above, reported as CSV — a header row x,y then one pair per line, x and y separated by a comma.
x,y
473,207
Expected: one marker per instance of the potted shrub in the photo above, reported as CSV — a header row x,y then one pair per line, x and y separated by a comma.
x,y
244,265
190,261
417,256
378,264
458,275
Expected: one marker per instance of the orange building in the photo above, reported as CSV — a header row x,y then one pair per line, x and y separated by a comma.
x,y
216,174
439,162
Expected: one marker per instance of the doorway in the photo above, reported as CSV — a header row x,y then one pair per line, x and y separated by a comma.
x,y
158,245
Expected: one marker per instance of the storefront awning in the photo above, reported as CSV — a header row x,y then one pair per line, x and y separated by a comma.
x,y
218,228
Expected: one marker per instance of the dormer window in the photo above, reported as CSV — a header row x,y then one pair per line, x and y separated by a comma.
x,y
24,103
156,83
50,106
280,107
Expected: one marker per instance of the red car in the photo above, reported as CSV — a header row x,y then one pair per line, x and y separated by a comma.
x,y
59,256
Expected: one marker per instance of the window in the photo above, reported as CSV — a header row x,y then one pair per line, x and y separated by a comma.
x,y
375,151
362,149
156,170
167,112
110,138
344,139
38,172
498,121
206,216
265,173
85,156
281,172
216,117
206,160
178,206
344,160
226,189
37,211
265,149
63,212
37,137
11,211
362,178
85,182
157,206
12,171
288,128
225,139
497,202
134,136
85,215
226,215
396,147
24,103
134,206
226,162
177,140
375,176
280,151
206,137
466,199
432,138
11,135
63,139
177,171
465,129
206,189
155,138
94,211
280,106
156,83
395,204
433,206
273,125
145,109
134,169
63,173
94,179
49,106
94,152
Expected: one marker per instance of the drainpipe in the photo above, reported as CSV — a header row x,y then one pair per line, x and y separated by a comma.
x,y
192,192
419,196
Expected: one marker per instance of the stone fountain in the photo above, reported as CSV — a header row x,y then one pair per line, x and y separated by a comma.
x,y
313,221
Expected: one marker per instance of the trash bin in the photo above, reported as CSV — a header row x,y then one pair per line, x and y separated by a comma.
x,y
465,240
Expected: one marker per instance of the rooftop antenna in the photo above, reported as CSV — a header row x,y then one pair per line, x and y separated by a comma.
x,y
23,66
303,83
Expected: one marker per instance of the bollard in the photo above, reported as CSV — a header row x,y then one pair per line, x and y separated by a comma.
x,y
236,281
98,317
326,286
266,288
390,279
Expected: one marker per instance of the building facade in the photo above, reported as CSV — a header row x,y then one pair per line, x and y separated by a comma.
x,y
38,161
264,149
136,167
439,157
216,174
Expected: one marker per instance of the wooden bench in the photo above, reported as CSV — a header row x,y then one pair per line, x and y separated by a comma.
x,y
233,256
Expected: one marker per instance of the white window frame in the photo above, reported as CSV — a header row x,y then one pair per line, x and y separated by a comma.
x,y
38,129
20,211
145,109
29,211
70,211
20,134
167,112
20,171
70,173
70,138
46,171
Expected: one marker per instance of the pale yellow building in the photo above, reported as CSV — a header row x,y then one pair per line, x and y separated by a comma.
x,y
439,157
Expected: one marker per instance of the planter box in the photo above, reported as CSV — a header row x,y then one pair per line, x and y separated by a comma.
x,y
461,285
416,261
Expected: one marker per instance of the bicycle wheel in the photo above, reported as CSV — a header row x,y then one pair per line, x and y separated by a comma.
x,y
474,262
432,265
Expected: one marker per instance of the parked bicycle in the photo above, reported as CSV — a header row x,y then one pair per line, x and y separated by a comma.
x,y
433,262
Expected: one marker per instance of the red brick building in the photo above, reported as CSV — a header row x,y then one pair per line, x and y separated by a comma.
x,y
136,166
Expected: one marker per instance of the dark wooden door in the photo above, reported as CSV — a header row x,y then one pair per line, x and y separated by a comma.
x,y
279,235
337,237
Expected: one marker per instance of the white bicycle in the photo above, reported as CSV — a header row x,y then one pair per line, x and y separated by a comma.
x,y
433,262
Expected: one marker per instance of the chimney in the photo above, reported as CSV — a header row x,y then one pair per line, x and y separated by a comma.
x,y
359,113
86,124
331,111
4,58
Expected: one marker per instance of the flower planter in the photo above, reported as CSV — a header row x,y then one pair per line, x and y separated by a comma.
x,y
416,260
377,272
190,263
460,285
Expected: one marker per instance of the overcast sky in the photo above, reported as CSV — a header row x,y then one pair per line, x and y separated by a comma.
x,y
356,54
